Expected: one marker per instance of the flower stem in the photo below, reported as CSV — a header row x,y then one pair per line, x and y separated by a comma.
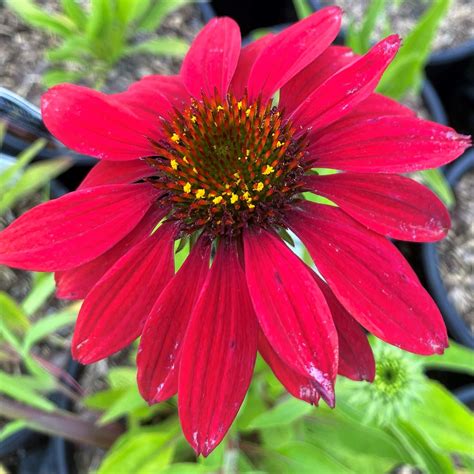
x,y
63,424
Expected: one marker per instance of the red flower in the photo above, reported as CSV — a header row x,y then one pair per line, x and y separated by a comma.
x,y
208,154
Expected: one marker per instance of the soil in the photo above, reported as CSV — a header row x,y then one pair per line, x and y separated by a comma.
x,y
457,251
456,28
21,65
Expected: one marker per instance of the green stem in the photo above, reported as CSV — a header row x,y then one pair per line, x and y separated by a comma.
x,y
63,424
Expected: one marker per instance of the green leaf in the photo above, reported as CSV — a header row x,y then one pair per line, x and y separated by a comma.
x,y
35,177
120,377
11,315
48,325
423,452
126,404
456,358
11,428
282,414
72,49
100,19
104,399
9,335
43,288
181,249
153,17
130,10
165,46
134,451
35,16
303,8
303,458
436,181
360,39
56,76
444,420
74,11
19,388
187,468
21,161
344,436
406,70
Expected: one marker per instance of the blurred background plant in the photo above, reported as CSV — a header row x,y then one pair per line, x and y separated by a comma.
x,y
413,421
94,35
19,178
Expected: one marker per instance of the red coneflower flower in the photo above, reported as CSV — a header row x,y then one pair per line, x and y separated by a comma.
x,y
211,157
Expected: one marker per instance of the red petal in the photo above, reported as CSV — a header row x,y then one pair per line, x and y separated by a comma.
x,y
169,86
247,58
347,88
74,229
389,204
291,310
356,360
114,312
76,283
376,105
218,353
295,91
160,345
90,122
299,386
389,144
370,279
212,58
292,50
145,102
116,172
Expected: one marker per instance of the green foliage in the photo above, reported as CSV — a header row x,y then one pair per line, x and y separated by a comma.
x,y
436,181
276,433
406,71
359,38
303,8
21,178
95,35
20,333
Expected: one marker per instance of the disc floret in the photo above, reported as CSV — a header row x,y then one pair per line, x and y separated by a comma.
x,y
225,162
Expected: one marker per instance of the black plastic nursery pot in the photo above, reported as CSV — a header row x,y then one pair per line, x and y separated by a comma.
x,y
457,327
25,125
454,81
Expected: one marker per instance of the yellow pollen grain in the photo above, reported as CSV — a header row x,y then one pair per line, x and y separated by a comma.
x,y
217,200
258,186
280,144
239,105
268,170
247,152
200,193
234,198
187,188
219,108
185,160
247,112
250,205
193,119
246,196
175,138
174,164
195,170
